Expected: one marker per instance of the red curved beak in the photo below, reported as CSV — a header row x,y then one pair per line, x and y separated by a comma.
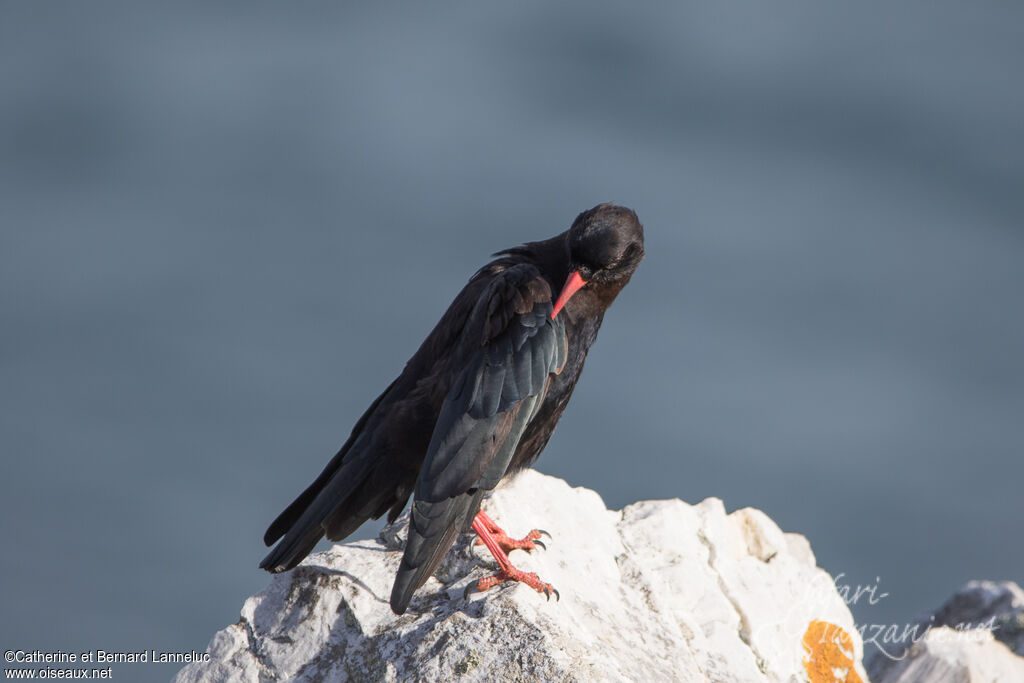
x,y
572,285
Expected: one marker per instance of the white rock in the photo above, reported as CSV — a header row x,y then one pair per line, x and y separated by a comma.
x,y
972,637
945,655
660,591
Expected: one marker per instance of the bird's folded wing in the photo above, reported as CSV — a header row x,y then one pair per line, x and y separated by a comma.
x,y
499,389
507,353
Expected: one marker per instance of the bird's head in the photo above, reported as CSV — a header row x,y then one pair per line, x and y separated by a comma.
x,y
606,245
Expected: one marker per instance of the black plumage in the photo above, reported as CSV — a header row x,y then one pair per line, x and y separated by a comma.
x,y
477,402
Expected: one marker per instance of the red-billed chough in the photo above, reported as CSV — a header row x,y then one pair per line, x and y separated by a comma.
x,y
476,403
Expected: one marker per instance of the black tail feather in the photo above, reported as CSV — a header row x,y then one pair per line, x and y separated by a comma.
x,y
304,532
287,556
433,528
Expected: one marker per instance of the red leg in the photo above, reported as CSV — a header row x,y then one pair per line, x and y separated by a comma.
x,y
507,543
507,571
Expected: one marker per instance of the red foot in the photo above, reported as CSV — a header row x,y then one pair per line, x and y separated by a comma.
x,y
498,542
529,542
513,574
508,544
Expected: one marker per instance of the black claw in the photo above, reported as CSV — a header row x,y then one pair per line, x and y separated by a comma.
x,y
543,547
558,597
541,531
548,594
471,588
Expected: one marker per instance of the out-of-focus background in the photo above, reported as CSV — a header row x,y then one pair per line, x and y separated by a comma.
x,y
223,230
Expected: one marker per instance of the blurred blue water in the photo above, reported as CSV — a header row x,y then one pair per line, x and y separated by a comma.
x,y
224,230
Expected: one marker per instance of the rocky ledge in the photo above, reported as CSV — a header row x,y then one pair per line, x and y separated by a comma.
x,y
661,590
977,635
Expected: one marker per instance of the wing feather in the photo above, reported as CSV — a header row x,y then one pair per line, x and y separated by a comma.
x,y
512,346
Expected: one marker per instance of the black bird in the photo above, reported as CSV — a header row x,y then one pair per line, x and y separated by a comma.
x,y
476,403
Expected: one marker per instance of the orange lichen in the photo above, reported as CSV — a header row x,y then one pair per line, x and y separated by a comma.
x,y
828,654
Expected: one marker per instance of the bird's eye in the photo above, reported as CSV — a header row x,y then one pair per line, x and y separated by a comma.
x,y
626,259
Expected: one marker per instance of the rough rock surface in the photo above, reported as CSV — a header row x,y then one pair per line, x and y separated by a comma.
x,y
945,655
997,606
972,637
661,590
